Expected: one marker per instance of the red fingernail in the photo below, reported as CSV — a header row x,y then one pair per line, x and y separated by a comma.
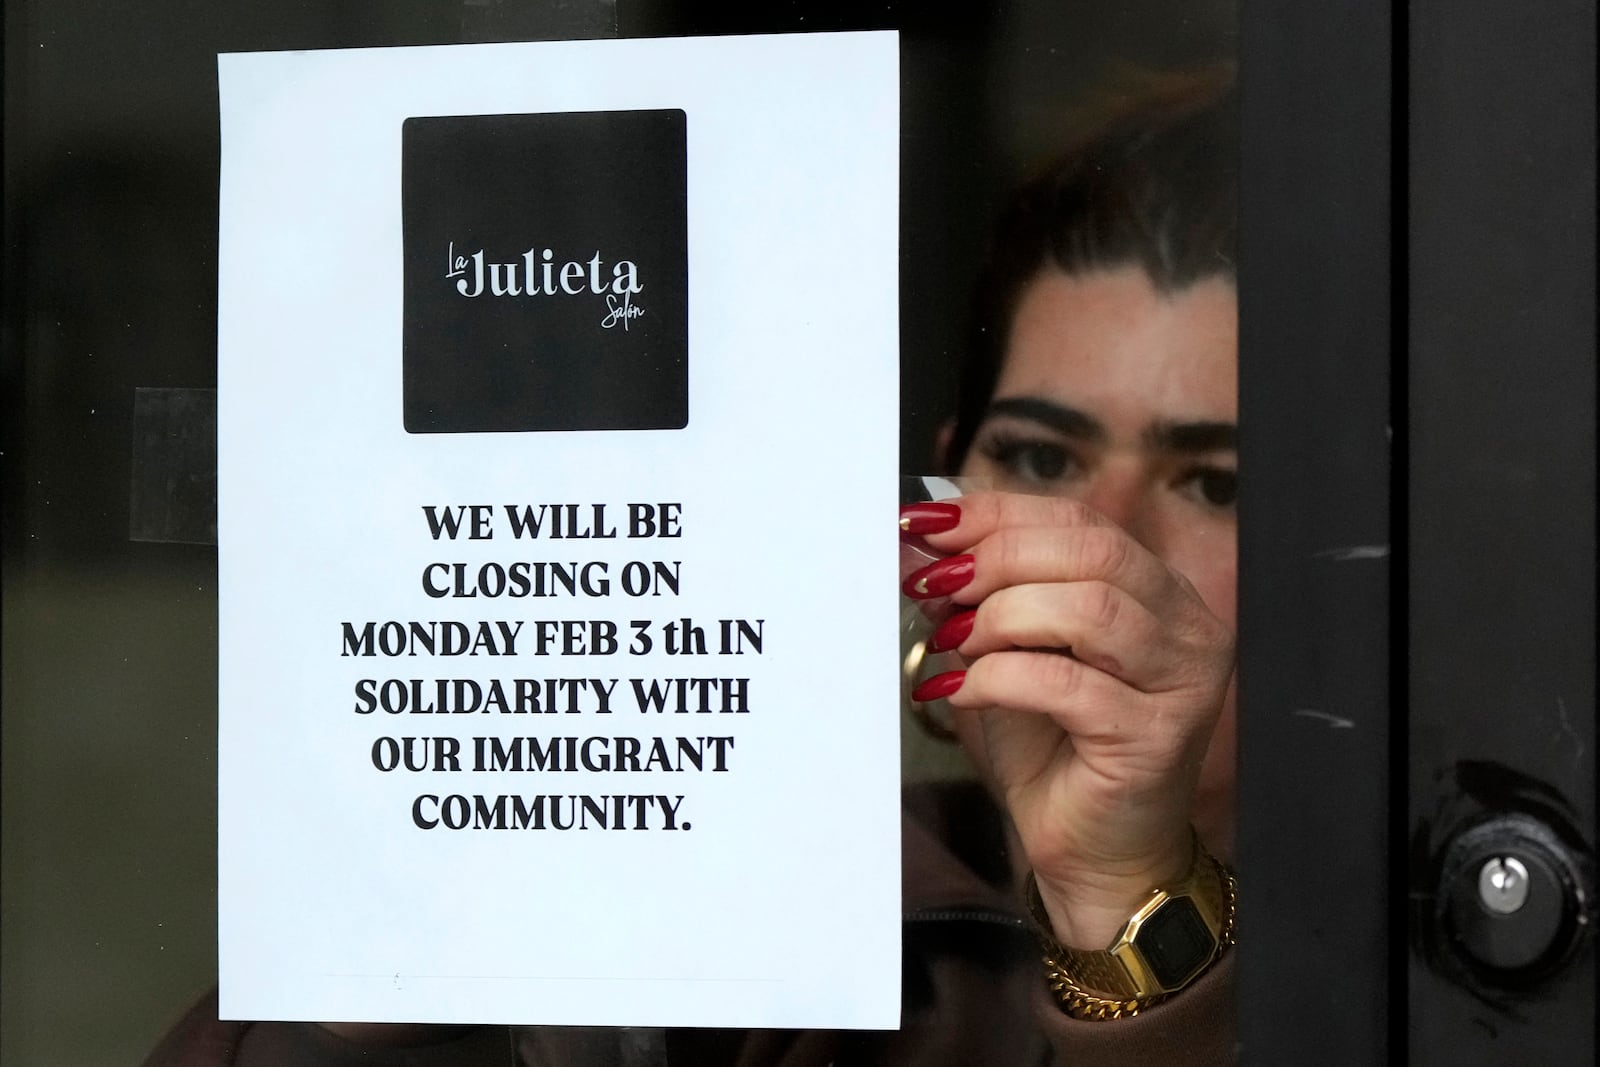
x,y
940,578
928,517
955,629
940,685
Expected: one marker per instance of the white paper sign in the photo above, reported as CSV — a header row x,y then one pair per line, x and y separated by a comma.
x,y
557,446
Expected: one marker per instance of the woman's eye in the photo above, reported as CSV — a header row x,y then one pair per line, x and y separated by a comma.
x,y
1031,461
1217,487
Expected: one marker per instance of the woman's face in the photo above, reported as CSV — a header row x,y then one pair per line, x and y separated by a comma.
x,y
1127,399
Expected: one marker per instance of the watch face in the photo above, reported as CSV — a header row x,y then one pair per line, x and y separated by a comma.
x,y
1175,942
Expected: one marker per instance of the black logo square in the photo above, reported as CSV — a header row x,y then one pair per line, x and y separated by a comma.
x,y
546,272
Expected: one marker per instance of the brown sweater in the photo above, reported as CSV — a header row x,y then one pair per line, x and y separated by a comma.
x,y
973,994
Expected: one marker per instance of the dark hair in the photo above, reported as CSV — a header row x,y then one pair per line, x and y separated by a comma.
x,y
1154,186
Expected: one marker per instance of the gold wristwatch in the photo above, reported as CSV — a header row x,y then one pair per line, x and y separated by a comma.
x,y
1179,931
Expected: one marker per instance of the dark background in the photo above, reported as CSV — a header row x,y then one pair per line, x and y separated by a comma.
x,y
111,145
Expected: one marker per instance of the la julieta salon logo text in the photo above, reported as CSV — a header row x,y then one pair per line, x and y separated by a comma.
x,y
538,272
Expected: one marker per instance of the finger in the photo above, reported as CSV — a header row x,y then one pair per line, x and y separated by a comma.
x,y
984,513
1070,542
1100,624
1099,711
1016,556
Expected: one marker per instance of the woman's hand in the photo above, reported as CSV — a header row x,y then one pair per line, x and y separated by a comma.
x,y
1096,677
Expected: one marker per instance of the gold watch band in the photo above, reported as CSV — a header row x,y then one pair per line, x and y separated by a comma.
x,y
1119,981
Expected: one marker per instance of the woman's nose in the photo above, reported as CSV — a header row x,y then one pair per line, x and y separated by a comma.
x,y
1126,501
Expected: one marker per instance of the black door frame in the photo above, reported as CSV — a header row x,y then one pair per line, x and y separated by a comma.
x,y
1418,574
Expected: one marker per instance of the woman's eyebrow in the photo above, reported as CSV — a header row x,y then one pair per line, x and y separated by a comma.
x,y
1069,422
1191,438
